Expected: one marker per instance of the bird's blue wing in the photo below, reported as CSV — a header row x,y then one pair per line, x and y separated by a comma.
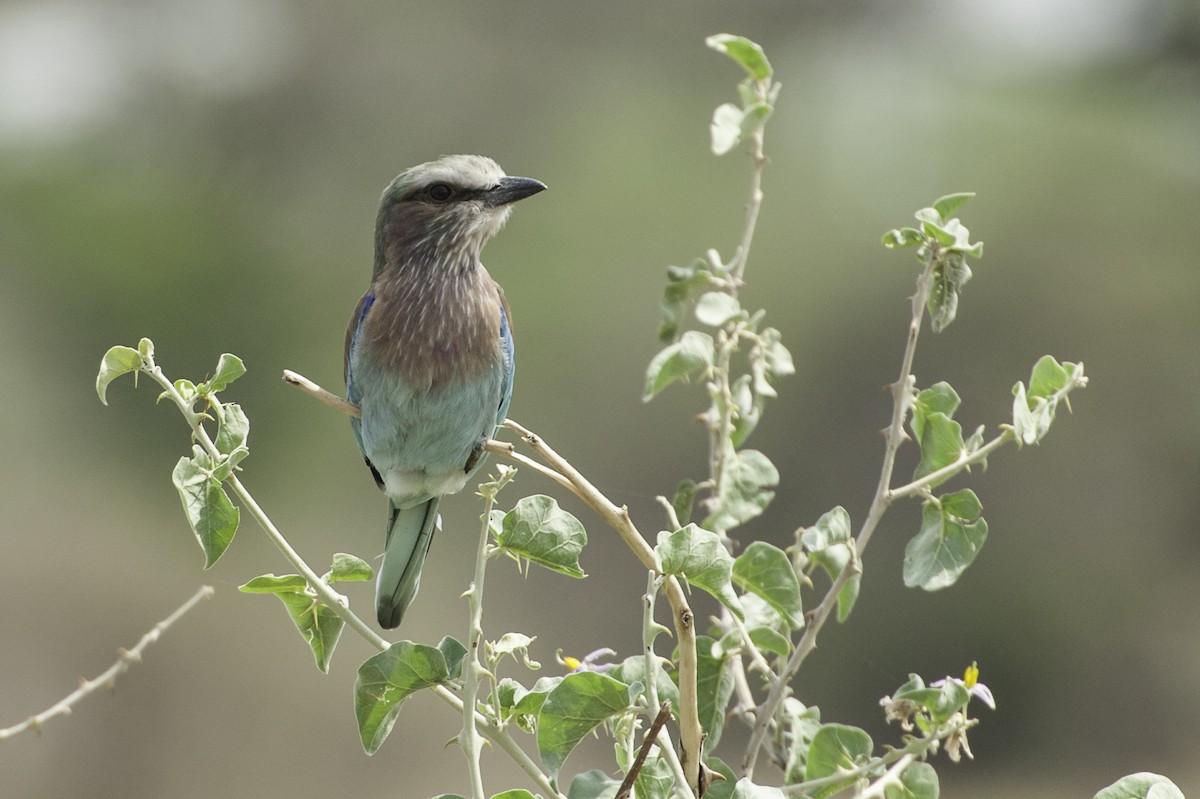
x,y
353,329
509,351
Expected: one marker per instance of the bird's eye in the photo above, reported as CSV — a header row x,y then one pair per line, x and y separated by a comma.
x,y
440,192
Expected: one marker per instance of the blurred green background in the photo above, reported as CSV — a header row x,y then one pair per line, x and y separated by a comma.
x,y
206,174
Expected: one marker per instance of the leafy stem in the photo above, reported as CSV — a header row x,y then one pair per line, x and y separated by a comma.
x,y
332,599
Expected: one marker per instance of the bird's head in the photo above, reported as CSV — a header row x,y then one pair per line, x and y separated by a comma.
x,y
442,212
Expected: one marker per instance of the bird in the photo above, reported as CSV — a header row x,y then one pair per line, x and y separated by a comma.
x,y
429,352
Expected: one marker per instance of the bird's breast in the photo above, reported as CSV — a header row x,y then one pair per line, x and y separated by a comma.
x,y
436,335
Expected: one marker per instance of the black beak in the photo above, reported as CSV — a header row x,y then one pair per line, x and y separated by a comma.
x,y
509,190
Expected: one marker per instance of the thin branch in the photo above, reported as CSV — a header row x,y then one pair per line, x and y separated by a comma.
x,y
316,392
108,679
949,470
469,739
650,629
691,733
332,599
505,450
664,713
501,738
878,789
902,391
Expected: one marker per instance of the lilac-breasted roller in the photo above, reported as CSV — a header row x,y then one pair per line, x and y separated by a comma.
x,y
429,352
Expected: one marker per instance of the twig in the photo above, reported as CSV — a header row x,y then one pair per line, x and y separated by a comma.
x,y
691,733
316,392
501,738
107,679
902,391
469,740
878,789
505,450
332,599
664,713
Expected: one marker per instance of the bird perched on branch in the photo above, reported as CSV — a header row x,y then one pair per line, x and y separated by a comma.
x,y
429,352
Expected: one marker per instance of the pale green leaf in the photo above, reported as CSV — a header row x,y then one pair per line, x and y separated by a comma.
x,y
348,568
1143,785
698,556
765,570
574,708
691,353
745,490
386,680
836,747
209,512
952,533
116,362
715,308
745,52
539,530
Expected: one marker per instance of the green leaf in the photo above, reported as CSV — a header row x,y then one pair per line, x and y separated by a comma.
x,y
947,205
116,362
684,500
1050,382
835,747
348,568
317,624
952,533
692,353
748,54
594,784
948,279
698,556
938,398
828,544
745,789
747,404
714,688
941,445
1048,378
952,697
715,308
832,528
1143,785
232,427
765,570
725,130
765,638
275,584
453,652
754,117
744,490
682,282
524,704
919,781
574,708
449,796
655,780
803,724
903,237
386,680
633,670
229,368
539,530
777,360
515,793
212,517
848,596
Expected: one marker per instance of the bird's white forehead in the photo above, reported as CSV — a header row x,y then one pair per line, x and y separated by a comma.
x,y
476,171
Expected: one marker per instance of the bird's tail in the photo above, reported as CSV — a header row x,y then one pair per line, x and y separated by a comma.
x,y
409,533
